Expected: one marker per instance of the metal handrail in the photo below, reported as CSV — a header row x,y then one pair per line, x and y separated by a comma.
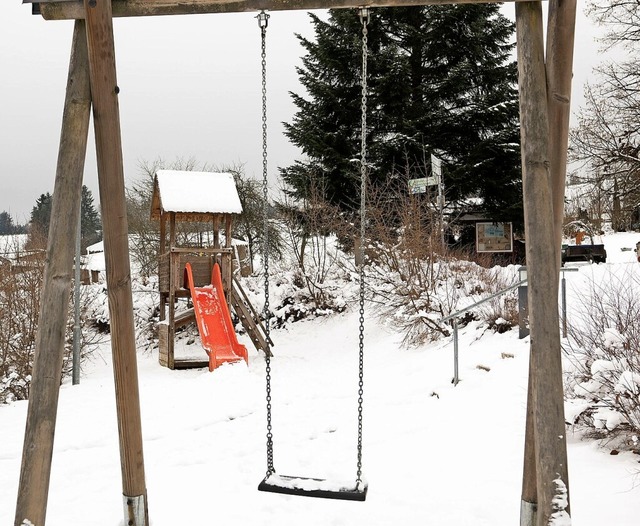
x,y
483,300
454,317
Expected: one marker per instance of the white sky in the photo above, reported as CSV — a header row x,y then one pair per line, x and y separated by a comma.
x,y
190,87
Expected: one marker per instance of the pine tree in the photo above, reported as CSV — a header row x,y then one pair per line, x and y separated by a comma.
x,y
6,224
39,223
41,217
440,81
90,220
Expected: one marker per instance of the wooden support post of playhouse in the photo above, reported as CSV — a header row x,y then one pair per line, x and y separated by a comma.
x,y
227,259
174,264
161,252
545,365
47,367
106,118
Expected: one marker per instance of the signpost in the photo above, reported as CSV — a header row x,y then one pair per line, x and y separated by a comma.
x,y
419,186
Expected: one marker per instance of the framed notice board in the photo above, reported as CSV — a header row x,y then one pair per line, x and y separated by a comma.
x,y
494,237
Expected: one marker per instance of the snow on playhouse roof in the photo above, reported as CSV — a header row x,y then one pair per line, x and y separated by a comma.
x,y
193,193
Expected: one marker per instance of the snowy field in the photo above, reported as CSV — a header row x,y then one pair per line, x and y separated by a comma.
x,y
434,454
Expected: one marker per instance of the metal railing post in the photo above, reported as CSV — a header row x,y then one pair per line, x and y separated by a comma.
x,y
563,289
456,378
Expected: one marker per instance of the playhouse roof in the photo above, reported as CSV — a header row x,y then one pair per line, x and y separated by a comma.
x,y
192,194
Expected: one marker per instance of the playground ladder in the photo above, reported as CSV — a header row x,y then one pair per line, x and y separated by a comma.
x,y
249,318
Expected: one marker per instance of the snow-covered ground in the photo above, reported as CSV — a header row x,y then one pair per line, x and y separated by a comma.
x,y
434,454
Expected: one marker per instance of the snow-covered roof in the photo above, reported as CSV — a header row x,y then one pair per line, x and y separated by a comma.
x,y
96,247
186,192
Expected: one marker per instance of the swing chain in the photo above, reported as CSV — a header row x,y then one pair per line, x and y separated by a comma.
x,y
263,22
364,20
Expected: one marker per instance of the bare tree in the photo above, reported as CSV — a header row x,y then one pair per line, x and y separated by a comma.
x,y
607,138
621,19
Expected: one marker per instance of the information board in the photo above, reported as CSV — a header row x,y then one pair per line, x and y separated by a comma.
x,y
494,237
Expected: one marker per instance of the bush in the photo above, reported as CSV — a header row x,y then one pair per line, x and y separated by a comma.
x,y
603,353
415,281
19,306
20,288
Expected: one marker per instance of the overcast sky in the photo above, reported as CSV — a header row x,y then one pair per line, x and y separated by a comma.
x,y
189,87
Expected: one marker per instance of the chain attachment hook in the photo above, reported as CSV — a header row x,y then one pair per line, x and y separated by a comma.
x,y
365,15
263,19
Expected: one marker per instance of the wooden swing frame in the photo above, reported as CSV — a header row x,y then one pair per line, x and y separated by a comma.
x,y
545,92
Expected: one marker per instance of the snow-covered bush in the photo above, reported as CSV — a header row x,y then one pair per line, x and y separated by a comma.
x,y
20,289
145,309
603,354
500,313
414,281
19,306
292,298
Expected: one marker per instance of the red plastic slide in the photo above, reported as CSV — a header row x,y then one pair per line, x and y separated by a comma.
x,y
214,321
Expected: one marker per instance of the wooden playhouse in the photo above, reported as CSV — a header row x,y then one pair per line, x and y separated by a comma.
x,y
211,200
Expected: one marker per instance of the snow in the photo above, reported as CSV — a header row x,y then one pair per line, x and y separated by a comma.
x,y
434,453
10,244
203,192
560,517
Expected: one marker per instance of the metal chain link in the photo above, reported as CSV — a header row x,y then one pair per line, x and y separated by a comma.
x,y
364,19
263,22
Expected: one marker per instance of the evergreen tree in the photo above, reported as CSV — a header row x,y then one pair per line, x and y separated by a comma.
x,y
440,81
39,224
90,220
6,224
41,217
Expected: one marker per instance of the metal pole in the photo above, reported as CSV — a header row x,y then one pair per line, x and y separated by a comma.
x,y
456,379
564,306
77,333
523,311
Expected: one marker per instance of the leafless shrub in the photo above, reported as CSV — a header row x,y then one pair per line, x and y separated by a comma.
x,y
20,286
19,306
415,281
308,228
603,351
404,269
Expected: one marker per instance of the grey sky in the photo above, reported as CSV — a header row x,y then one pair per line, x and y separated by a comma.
x,y
189,87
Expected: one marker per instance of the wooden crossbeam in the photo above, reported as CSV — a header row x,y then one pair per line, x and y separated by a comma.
x,y
70,10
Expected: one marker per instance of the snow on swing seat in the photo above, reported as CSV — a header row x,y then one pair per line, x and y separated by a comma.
x,y
313,487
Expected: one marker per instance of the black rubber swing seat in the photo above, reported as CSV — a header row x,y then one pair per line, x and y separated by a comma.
x,y
310,487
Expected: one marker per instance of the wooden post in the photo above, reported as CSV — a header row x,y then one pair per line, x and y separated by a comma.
x,y
161,253
529,499
174,264
546,400
35,472
560,39
106,117
68,10
227,259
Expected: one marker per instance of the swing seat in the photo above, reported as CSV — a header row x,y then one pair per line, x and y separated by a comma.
x,y
311,487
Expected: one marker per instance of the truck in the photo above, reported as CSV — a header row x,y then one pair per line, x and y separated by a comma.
x,y
583,252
